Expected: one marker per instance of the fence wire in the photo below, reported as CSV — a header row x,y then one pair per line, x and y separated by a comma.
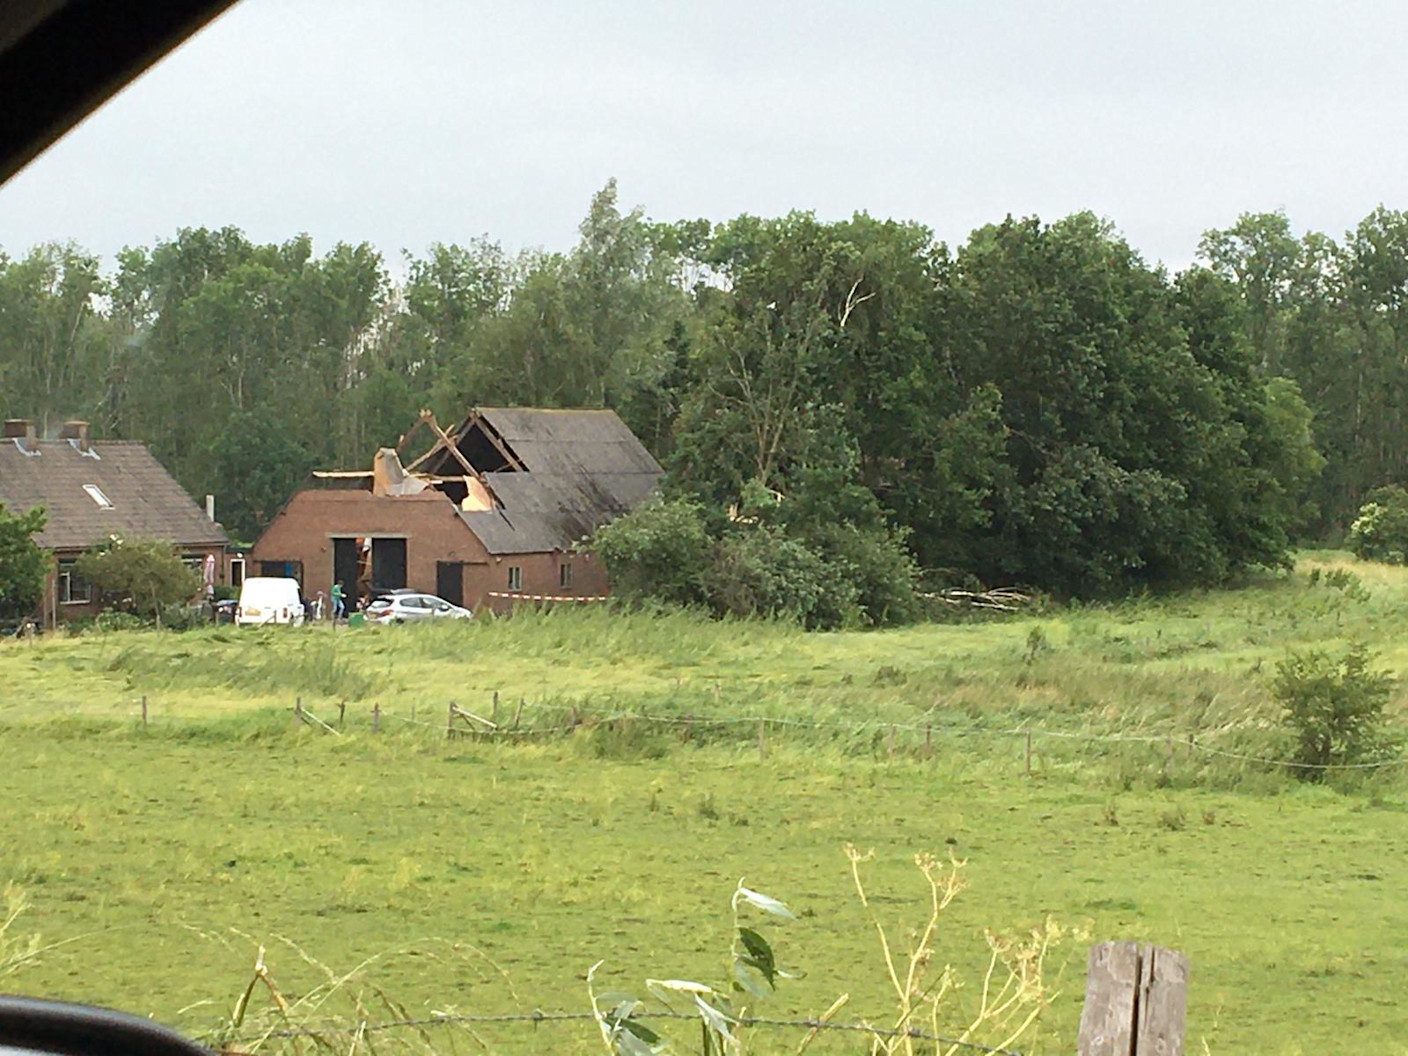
x,y
1172,739
484,730
537,1017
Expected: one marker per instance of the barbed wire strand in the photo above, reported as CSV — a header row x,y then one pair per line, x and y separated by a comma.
x,y
536,1017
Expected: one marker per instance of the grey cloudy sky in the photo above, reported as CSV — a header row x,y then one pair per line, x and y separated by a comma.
x,y
409,122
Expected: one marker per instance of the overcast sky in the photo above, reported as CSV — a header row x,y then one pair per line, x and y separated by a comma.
x,y
415,121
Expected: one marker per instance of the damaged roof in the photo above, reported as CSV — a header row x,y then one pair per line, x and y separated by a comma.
x,y
581,469
117,487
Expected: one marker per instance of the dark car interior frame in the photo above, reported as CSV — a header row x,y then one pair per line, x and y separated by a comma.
x,y
60,60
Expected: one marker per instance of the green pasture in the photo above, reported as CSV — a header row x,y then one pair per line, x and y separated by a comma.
x,y
484,877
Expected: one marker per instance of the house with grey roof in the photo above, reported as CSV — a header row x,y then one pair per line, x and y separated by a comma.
x,y
94,490
493,513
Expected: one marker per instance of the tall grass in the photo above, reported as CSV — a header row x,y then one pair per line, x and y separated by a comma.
x,y
1194,663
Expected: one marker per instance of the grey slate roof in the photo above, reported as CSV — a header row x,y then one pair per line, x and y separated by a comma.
x,y
146,501
550,441
583,468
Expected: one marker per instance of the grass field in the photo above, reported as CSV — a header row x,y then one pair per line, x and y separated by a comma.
x,y
488,877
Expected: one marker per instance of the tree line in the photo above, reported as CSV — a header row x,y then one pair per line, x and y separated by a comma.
x,y
1039,405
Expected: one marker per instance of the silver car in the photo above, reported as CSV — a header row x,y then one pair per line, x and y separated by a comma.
x,y
407,607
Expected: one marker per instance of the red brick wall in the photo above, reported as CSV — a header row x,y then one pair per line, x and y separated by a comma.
x,y
53,610
305,529
433,532
539,576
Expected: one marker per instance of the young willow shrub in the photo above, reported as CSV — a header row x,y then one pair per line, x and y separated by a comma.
x,y
1380,531
657,551
1335,707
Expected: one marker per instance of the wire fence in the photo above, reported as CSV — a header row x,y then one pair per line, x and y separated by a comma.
x,y
537,1018
547,720
1172,742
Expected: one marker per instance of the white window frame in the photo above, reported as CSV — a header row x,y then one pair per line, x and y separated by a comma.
x,y
564,574
64,587
96,494
515,578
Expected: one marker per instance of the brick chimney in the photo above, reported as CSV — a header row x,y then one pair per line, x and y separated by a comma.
x,y
77,433
21,430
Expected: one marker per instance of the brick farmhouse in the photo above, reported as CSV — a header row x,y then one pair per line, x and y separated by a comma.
x,y
92,491
491,515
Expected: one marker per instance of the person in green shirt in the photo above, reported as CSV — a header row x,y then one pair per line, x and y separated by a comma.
x,y
339,606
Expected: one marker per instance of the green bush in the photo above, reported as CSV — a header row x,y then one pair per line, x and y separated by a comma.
x,y
657,551
759,571
1335,707
144,576
878,566
1380,531
22,563
113,620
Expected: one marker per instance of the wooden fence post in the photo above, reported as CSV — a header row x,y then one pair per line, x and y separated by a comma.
x,y
494,714
376,718
1135,999
1029,753
450,722
890,751
144,711
341,712
928,741
517,713
762,744
297,712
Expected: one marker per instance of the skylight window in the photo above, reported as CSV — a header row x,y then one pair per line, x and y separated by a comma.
x,y
96,494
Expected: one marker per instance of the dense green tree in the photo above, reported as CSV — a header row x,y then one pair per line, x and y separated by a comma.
x,y
54,340
23,565
143,576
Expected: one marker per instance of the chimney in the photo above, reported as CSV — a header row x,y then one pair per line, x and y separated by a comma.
x,y
210,506
77,434
21,430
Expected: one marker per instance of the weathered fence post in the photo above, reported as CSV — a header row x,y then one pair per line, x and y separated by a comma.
x,y
144,711
762,744
494,714
890,751
1029,753
929,741
341,712
297,712
1190,746
376,718
450,722
517,713
1135,999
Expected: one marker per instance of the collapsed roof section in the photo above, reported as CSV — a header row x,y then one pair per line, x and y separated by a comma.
x,y
524,480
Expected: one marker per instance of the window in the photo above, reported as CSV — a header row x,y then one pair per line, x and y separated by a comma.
x,y
73,589
96,494
564,574
515,577
236,571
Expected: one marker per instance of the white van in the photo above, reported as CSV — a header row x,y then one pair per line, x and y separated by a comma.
x,y
269,599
